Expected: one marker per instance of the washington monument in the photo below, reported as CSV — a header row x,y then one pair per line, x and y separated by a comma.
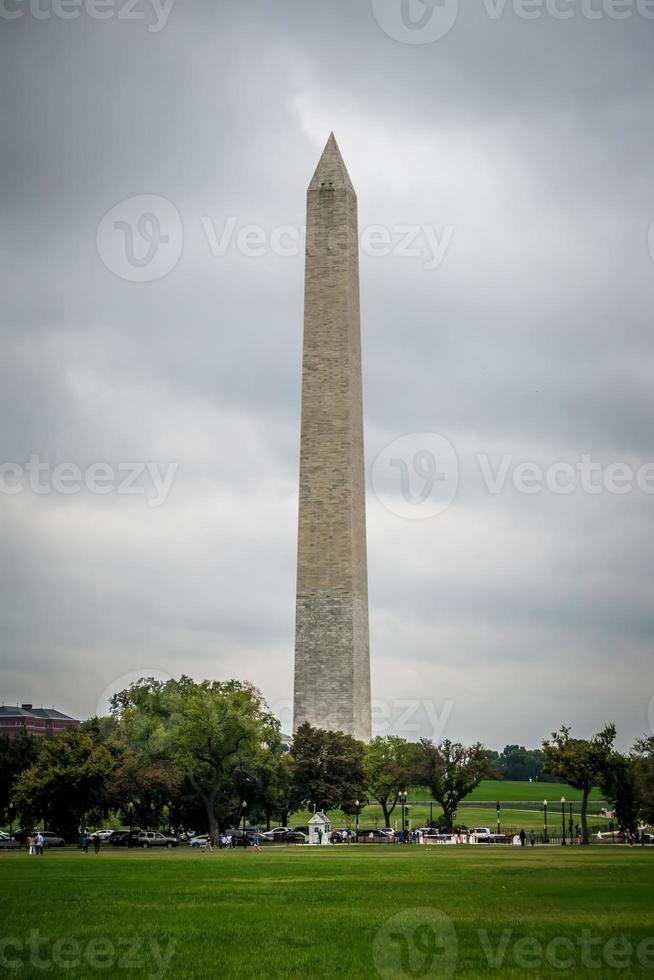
x,y
332,655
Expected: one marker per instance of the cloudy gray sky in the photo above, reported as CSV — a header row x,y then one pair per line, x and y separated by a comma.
x,y
508,149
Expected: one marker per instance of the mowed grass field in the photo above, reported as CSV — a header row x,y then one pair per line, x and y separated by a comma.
x,y
353,911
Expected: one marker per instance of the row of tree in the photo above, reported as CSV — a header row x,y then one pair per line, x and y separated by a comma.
x,y
209,754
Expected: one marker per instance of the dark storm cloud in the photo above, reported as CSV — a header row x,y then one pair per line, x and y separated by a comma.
x,y
531,141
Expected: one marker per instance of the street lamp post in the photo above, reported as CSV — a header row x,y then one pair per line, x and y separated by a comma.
x,y
563,842
571,825
356,804
545,840
243,808
11,818
403,802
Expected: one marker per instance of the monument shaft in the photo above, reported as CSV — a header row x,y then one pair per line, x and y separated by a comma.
x,y
332,657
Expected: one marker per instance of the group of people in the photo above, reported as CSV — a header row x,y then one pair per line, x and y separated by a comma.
x,y
86,839
339,836
35,843
229,840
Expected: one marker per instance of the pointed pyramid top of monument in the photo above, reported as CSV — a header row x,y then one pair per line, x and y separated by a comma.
x,y
331,170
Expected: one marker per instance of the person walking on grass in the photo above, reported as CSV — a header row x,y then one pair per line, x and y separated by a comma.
x,y
254,841
31,844
39,843
532,839
523,837
96,843
84,842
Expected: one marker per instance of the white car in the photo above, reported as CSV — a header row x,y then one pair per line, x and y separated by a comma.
x,y
102,834
200,841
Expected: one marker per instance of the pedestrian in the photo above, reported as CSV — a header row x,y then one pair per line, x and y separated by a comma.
x,y
254,841
96,843
532,839
84,842
38,843
31,844
523,837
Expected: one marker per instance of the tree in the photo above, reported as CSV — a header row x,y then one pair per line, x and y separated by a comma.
x,y
17,753
213,732
327,769
642,756
619,784
517,762
390,762
67,785
141,787
580,762
451,771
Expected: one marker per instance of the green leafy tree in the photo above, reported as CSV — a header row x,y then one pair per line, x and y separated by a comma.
x,y
327,769
517,762
213,732
642,756
390,762
580,762
141,787
68,785
17,753
452,770
619,784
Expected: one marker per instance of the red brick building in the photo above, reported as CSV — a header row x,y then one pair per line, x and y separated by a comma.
x,y
34,721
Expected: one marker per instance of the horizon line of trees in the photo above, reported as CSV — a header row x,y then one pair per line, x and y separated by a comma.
x,y
210,754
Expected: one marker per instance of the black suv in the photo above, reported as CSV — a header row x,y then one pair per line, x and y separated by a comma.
x,y
124,838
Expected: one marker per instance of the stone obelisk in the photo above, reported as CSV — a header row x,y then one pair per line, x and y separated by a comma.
x,y
332,655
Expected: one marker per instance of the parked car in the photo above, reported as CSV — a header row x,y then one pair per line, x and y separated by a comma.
x,y
285,835
152,838
201,840
124,838
49,838
483,834
239,836
376,834
102,834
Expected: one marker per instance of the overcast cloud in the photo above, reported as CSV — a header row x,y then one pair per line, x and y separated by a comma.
x,y
520,153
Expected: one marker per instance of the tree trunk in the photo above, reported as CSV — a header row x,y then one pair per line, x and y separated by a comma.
x,y
449,813
584,815
386,812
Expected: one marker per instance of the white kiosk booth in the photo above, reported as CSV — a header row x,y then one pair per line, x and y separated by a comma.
x,y
319,829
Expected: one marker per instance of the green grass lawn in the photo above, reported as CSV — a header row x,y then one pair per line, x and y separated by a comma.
x,y
489,791
387,911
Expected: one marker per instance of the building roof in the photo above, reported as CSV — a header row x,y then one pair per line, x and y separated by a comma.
x,y
13,711
319,817
51,714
